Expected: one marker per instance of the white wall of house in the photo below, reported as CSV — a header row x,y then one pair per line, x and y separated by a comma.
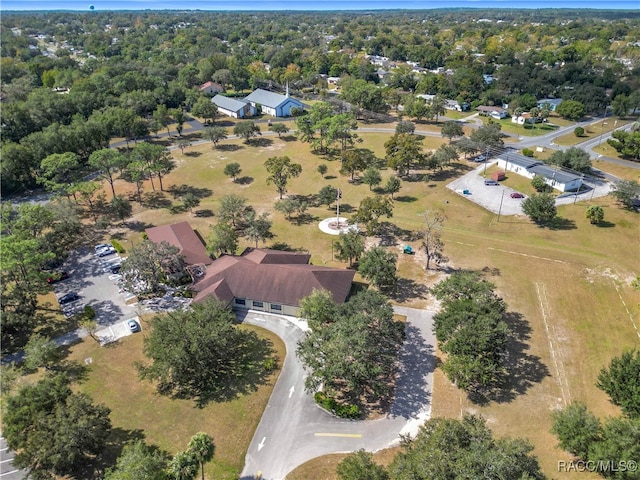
x,y
507,166
276,308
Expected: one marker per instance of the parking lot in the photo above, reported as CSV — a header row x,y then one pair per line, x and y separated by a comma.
x,y
7,470
487,196
90,278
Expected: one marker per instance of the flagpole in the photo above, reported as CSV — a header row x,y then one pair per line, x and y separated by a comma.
x,y
338,208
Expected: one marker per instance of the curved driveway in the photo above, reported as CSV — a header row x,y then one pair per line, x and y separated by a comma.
x,y
293,429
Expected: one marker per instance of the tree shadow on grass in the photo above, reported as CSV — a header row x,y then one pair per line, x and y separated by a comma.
x,y
138,226
407,289
288,138
203,213
305,219
178,191
406,199
561,224
192,154
605,224
246,180
389,234
155,200
260,142
228,147
523,370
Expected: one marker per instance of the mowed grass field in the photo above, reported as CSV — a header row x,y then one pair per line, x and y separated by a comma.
x,y
568,288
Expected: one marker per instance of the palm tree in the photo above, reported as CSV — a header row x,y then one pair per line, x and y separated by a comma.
x,y
202,448
183,466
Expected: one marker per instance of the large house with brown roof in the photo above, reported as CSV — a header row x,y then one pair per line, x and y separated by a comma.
x,y
182,236
270,280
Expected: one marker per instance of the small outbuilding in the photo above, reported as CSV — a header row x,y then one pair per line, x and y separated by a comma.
x,y
498,176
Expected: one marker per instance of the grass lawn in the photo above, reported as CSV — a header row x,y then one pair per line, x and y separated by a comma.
x,y
137,411
568,284
620,171
525,130
593,130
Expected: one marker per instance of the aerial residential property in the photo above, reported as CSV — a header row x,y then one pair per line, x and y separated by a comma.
x,y
331,241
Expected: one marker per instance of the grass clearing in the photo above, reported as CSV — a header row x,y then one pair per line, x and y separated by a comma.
x,y
567,283
138,411
593,130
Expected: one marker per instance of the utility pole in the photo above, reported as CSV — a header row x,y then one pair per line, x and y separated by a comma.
x,y
500,209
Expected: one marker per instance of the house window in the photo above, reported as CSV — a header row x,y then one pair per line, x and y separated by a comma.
x,y
240,301
258,304
275,306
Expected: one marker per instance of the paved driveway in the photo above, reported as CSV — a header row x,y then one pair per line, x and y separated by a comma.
x,y
293,429
487,196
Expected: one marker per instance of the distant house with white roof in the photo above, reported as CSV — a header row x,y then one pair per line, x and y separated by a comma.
x,y
551,102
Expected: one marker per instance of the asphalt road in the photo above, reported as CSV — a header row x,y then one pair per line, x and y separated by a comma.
x,y
7,470
293,429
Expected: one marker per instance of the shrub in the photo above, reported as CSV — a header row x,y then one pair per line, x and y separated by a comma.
x,y
338,409
539,184
270,364
119,248
89,312
578,132
527,152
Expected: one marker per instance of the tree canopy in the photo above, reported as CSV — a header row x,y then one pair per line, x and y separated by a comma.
x,y
447,449
356,352
281,170
201,354
52,430
621,381
471,330
149,264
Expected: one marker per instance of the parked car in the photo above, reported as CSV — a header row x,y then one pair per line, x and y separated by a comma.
x,y
517,195
480,158
102,246
114,269
57,276
133,325
488,181
106,251
68,298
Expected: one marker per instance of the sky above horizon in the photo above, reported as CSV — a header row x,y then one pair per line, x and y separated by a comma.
x,y
272,5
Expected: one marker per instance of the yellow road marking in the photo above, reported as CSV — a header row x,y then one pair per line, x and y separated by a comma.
x,y
347,435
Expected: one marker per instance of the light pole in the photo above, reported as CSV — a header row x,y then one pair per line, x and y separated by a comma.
x,y
500,209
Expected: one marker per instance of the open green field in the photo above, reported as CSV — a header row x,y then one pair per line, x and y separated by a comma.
x,y
569,288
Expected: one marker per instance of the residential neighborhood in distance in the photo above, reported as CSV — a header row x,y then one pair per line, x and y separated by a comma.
x,y
332,244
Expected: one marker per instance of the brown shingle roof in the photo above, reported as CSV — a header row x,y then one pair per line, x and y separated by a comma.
x,y
182,236
271,276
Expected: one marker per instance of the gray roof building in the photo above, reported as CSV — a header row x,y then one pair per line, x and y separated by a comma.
x,y
231,104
